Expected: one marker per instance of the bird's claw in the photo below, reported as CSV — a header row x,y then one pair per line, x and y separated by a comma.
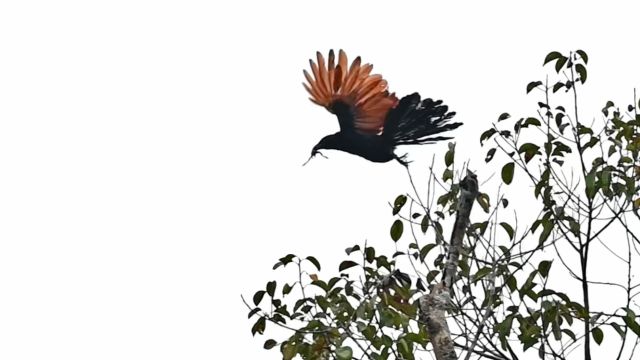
x,y
403,160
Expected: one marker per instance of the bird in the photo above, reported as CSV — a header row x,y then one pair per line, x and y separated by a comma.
x,y
373,122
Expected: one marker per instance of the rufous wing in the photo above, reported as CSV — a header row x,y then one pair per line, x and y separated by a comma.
x,y
367,94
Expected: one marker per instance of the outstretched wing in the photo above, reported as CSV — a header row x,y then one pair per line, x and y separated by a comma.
x,y
359,99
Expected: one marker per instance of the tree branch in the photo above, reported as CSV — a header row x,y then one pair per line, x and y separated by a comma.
x,y
433,306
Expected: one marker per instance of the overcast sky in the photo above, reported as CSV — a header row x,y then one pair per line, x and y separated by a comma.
x,y
151,151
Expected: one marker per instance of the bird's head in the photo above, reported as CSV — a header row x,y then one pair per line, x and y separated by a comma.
x,y
327,142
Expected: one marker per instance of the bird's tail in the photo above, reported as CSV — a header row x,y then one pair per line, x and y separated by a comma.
x,y
415,121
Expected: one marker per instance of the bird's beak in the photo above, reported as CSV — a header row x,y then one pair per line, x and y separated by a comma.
x,y
314,152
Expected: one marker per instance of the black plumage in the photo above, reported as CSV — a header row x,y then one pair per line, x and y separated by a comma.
x,y
372,121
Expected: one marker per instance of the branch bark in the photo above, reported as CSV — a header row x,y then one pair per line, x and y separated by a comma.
x,y
433,306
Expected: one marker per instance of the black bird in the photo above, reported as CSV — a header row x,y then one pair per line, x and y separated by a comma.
x,y
372,121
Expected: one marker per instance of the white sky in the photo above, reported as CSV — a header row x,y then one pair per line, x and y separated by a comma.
x,y
151,151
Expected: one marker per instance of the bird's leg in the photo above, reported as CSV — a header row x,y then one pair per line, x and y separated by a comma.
x,y
403,160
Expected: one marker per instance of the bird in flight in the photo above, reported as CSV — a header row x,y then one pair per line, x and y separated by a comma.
x,y
372,120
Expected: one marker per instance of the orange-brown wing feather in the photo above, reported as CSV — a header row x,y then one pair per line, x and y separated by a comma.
x,y
354,85
331,69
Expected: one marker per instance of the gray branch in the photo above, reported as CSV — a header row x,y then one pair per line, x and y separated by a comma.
x,y
433,306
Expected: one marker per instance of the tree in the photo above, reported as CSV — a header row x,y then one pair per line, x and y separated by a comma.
x,y
504,281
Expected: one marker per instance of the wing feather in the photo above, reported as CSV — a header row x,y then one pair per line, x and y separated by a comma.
x,y
331,69
317,85
324,80
337,82
353,85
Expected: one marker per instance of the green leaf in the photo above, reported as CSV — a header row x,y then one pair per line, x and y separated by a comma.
x,y
630,320
597,334
449,156
425,250
484,202
530,150
512,283
442,201
490,154
399,203
583,55
532,85
557,86
347,264
605,109
560,63
504,116
547,226
404,348
286,289
508,229
253,312
574,227
370,253
447,175
558,118
439,234
314,261
271,288
582,71
583,130
396,230
288,351
259,326
487,135
257,297
349,250
543,267
283,261
552,56
605,178
590,188
555,329
618,329
269,344
432,275
424,224
570,334
531,121
319,283
344,353
507,173
482,273
480,226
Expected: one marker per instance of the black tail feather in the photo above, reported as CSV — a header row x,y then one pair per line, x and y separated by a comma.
x,y
413,121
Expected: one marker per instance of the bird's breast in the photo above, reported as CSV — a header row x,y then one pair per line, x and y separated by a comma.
x,y
371,147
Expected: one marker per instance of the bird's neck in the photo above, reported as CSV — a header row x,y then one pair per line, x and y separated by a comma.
x,y
333,142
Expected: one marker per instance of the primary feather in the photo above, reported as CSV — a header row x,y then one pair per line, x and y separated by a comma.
x,y
365,94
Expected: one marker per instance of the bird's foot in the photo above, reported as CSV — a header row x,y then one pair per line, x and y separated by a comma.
x,y
403,160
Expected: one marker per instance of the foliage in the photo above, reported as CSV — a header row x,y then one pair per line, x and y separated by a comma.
x,y
585,180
